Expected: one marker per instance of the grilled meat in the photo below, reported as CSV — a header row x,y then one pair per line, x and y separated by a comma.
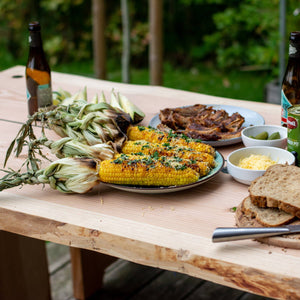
x,y
202,122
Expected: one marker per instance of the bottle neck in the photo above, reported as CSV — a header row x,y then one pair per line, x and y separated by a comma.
x,y
35,39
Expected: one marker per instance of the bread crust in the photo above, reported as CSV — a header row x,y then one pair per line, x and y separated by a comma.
x,y
286,182
285,241
269,217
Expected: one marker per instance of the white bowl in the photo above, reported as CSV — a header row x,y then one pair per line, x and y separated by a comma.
x,y
246,176
255,130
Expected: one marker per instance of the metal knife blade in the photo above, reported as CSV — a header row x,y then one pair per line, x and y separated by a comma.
x,y
224,234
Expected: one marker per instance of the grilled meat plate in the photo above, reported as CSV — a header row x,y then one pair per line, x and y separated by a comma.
x,y
202,122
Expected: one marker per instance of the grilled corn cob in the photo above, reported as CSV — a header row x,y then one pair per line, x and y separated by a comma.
x,y
145,171
202,168
165,149
155,136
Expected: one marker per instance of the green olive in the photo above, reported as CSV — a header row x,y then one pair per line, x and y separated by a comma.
x,y
262,136
274,136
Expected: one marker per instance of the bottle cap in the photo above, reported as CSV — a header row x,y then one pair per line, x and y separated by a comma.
x,y
34,26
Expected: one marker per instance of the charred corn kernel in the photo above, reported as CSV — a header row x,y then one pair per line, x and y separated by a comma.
x,y
145,171
202,168
155,136
165,149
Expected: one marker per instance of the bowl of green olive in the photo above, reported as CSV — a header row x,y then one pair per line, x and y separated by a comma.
x,y
265,135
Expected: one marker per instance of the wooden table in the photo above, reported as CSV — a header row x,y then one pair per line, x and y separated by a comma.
x,y
169,231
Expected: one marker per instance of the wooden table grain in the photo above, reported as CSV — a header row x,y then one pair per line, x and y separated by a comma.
x,y
169,231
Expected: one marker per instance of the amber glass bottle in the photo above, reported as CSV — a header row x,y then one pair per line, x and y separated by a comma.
x,y
38,74
290,92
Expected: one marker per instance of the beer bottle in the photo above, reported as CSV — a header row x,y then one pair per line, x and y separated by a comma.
x,y
38,74
290,92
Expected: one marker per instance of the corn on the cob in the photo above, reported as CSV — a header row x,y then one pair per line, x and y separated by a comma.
x,y
155,136
67,175
202,168
165,149
71,175
145,171
67,147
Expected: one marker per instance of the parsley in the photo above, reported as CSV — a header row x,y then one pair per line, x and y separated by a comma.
x,y
147,161
180,167
171,134
178,159
118,160
140,153
155,155
133,162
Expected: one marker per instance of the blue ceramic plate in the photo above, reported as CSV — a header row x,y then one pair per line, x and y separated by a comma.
x,y
219,160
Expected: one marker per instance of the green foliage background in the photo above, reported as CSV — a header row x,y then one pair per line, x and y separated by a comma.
x,y
223,35
230,33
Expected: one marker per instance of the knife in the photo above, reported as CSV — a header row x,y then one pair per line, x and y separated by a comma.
x,y
224,234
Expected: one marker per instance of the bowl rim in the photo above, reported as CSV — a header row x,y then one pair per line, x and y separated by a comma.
x,y
281,128
254,147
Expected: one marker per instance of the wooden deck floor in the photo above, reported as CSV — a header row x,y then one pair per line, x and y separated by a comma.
x,y
126,280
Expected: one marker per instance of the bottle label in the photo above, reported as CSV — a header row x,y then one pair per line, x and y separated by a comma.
x,y
44,95
292,50
28,94
285,104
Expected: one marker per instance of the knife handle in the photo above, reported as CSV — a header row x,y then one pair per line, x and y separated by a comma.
x,y
223,234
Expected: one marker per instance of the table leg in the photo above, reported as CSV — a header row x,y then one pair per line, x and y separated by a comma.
x,y
88,271
23,268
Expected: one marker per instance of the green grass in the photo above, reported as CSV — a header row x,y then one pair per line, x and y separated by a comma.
x,y
202,79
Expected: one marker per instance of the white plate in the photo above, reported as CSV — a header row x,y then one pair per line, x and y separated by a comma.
x,y
251,118
219,160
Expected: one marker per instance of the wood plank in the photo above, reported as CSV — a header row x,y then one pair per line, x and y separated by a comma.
x,y
87,271
23,268
58,256
169,285
209,290
61,283
248,296
124,279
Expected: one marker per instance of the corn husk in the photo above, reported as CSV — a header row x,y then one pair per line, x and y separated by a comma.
x,y
67,147
67,175
71,175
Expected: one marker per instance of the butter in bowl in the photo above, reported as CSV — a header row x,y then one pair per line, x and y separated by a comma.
x,y
246,164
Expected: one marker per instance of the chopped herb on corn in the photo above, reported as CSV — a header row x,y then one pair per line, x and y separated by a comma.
x,y
156,136
145,170
165,149
170,161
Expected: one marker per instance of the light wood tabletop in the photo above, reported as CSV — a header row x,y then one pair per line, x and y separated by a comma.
x,y
172,231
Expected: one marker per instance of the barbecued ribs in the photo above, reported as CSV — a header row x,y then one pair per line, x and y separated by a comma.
x,y
202,122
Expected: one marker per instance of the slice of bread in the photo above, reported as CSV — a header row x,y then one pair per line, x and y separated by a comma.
x,y
269,217
286,241
279,187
